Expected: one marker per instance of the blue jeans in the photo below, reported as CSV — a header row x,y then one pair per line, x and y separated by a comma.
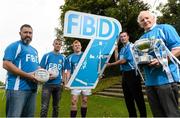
x,y
47,91
20,103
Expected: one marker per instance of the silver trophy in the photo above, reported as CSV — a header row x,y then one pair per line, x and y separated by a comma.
x,y
142,48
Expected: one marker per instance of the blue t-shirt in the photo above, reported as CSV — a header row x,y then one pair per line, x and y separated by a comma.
x,y
52,60
125,53
25,57
157,76
72,61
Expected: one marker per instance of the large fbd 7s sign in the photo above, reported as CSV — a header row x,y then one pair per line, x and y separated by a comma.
x,y
103,33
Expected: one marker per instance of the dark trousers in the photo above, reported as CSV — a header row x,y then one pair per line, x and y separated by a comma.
x,y
47,91
131,84
163,100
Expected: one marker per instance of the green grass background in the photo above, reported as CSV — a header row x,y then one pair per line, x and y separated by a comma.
x,y
98,106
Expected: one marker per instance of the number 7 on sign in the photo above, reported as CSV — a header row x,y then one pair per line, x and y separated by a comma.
x,y
103,32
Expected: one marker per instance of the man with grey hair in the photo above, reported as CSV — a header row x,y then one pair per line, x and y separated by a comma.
x,y
161,73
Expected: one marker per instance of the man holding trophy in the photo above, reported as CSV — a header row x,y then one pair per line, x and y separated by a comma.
x,y
54,63
156,53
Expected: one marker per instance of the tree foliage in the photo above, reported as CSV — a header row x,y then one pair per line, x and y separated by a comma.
x,y
125,11
171,14
1,83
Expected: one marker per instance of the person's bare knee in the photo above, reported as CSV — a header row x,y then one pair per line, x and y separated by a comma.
x,y
74,101
84,101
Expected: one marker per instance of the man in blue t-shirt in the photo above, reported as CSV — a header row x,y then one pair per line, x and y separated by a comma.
x,y
131,81
162,73
21,60
73,61
54,62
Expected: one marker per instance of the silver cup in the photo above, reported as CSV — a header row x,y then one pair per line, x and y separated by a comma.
x,y
142,48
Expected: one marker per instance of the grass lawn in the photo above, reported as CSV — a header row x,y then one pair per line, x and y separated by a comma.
x,y
98,106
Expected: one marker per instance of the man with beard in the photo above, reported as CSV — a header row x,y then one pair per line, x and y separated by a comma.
x,y
21,60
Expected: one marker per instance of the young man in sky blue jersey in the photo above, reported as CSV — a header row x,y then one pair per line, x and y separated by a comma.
x,y
21,60
54,62
161,81
131,82
73,60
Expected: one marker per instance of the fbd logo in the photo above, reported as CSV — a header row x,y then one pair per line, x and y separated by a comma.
x,y
103,32
88,26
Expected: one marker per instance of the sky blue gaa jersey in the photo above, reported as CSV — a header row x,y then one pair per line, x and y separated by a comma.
x,y
25,57
72,61
157,76
52,60
125,53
